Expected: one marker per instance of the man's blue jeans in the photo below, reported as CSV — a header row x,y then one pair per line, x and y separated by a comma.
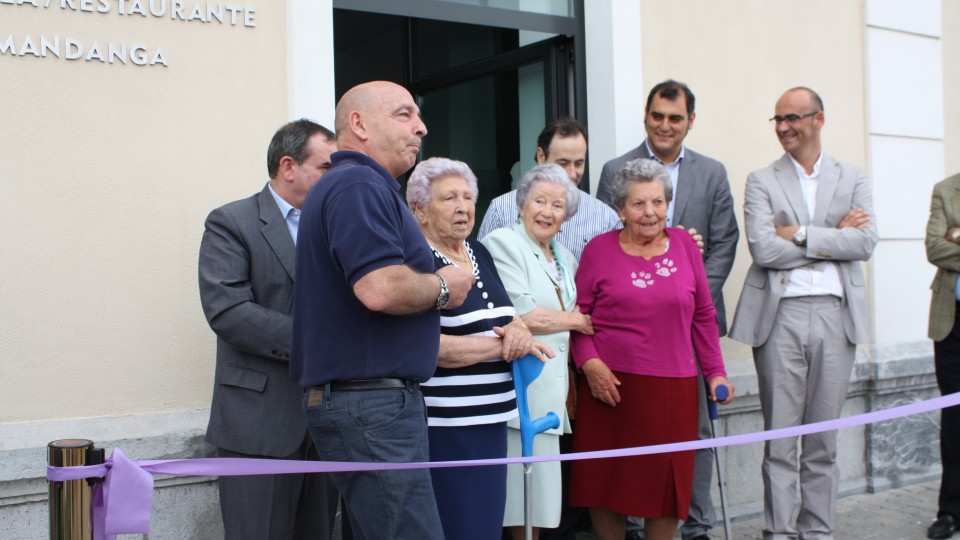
x,y
378,425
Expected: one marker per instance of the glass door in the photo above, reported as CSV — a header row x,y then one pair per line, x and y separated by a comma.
x,y
488,113
485,91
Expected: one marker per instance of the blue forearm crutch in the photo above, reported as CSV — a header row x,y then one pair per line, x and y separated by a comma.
x,y
525,371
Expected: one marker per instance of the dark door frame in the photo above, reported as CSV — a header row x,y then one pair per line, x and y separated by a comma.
x,y
573,27
556,73
565,65
472,14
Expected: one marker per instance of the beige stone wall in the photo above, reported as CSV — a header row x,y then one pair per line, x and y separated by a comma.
x,y
738,61
106,175
950,41
107,171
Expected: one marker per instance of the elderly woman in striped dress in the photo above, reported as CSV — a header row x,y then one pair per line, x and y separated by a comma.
x,y
471,395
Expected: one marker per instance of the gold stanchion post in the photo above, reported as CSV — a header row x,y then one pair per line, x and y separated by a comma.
x,y
70,501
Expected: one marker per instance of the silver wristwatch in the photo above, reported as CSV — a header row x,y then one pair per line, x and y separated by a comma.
x,y
800,237
444,297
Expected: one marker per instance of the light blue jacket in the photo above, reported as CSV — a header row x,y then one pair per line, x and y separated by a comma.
x,y
530,282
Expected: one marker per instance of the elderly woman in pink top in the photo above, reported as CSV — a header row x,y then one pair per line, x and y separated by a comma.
x,y
646,291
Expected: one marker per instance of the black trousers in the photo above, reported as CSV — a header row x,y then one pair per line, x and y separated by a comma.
x,y
946,355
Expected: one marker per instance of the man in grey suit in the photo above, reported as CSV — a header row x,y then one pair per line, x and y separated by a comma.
x,y
702,203
803,308
246,275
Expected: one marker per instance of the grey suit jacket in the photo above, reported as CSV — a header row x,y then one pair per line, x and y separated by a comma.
x,y
944,213
773,199
703,202
246,275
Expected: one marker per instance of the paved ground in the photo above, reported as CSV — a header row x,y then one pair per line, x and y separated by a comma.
x,y
896,514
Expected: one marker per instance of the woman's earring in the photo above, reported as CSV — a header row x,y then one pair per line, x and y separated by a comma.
x,y
623,220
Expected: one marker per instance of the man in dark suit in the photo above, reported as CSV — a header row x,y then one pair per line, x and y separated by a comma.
x,y
804,308
246,287
943,251
701,202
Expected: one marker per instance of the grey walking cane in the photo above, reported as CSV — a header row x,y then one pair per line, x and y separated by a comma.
x,y
722,393
525,370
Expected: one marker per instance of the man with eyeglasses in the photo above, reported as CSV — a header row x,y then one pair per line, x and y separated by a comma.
x,y
702,202
803,308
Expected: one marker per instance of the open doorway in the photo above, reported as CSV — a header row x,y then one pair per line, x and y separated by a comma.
x,y
485,92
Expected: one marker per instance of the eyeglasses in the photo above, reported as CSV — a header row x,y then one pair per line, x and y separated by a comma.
x,y
792,118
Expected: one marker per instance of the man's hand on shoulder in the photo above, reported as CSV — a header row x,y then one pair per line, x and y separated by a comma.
x,y
695,235
459,281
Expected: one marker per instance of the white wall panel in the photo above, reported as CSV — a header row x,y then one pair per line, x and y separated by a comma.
x,y
903,172
310,88
615,91
905,84
901,291
916,16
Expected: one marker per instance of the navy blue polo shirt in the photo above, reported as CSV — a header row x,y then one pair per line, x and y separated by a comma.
x,y
354,222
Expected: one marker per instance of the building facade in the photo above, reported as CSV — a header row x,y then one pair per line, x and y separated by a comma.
x,y
125,122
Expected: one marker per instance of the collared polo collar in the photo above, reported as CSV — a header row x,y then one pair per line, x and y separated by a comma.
x,y
342,158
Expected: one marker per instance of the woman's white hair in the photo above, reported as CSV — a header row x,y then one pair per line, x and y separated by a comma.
x,y
435,168
553,174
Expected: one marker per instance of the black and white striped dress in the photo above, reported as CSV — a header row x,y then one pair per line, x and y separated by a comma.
x,y
481,393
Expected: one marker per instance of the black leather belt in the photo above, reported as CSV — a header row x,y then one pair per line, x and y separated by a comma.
x,y
315,393
382,383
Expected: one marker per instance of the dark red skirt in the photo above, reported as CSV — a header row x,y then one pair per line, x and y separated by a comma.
x,y
652,410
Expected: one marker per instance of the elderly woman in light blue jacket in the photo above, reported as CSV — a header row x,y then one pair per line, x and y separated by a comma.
x,y
538,274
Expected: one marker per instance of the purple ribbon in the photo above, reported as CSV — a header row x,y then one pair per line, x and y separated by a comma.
x,y
127,489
